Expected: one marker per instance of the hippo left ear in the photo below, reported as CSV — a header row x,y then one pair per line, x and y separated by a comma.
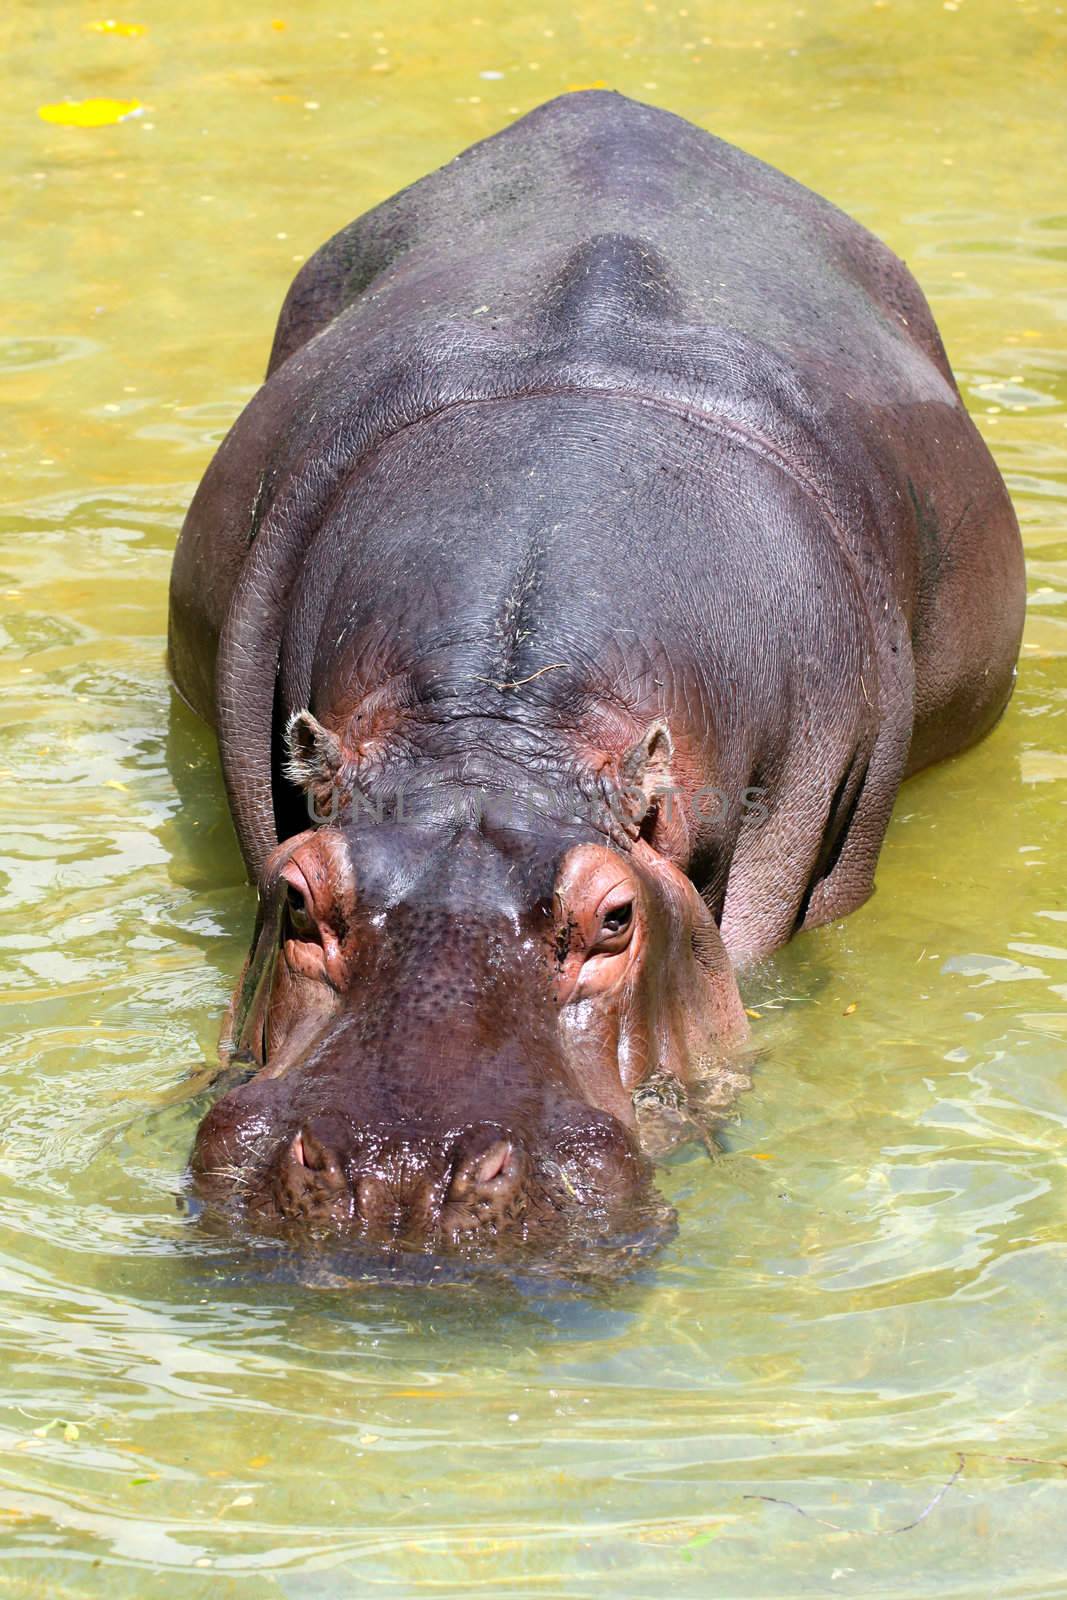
x,y
315,754
645,771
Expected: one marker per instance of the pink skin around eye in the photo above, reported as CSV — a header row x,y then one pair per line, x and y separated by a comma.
x,y
600,957
307,956
293,876
316,868
618,897
602,969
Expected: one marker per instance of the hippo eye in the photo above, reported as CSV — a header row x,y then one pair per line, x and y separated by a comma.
x,y
300,919
616,926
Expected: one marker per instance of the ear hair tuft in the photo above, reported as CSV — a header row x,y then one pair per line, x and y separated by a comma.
x,y
315,755
645,770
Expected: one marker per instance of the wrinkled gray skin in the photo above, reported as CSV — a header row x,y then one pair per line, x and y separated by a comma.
x,y
605,459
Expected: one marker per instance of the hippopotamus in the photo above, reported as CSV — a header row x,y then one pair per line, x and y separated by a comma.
x,y
606,545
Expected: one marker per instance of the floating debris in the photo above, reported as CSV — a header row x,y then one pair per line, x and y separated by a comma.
x,y
89,113
124,30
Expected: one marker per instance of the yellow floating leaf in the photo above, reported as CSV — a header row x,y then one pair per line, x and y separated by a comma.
x,y
113,783
750,1013
761,1155
258,1461
278,24
576,88
849,1009
89,113
127,30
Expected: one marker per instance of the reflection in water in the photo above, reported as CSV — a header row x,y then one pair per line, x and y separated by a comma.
x,y
870,1276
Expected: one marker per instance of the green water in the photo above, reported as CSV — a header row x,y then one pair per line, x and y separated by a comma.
x,y
875,1277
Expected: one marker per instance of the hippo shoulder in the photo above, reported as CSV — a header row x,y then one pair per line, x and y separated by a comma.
x,y
594,202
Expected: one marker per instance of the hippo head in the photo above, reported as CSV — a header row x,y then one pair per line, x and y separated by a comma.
x,y
451,1013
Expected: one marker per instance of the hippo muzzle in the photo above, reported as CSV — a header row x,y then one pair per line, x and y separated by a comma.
x,y
484,1188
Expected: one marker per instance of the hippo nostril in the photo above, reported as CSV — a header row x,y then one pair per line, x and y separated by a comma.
x,y
499,1161
308,1182
496,1171
316,1158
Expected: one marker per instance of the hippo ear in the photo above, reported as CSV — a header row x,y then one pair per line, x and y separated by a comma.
x,y
315,754
645,770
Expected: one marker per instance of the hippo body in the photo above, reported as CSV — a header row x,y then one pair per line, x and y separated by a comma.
x,y
609,464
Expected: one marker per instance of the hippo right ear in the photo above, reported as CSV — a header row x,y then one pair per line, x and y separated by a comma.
x,y
315,755
646,769
645,800
645,773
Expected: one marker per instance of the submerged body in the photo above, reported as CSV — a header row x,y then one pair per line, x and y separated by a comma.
x,y
609,469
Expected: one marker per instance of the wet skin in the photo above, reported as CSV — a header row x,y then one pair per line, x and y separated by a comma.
x,y
602,468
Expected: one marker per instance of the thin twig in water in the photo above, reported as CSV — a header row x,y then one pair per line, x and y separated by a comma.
x,y
557,666
872,1533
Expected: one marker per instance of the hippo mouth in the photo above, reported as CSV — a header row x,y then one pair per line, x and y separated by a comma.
x,y
480,1192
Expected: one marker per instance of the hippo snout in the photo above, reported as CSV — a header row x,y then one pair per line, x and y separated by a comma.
x,y
415,1188
484,1187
